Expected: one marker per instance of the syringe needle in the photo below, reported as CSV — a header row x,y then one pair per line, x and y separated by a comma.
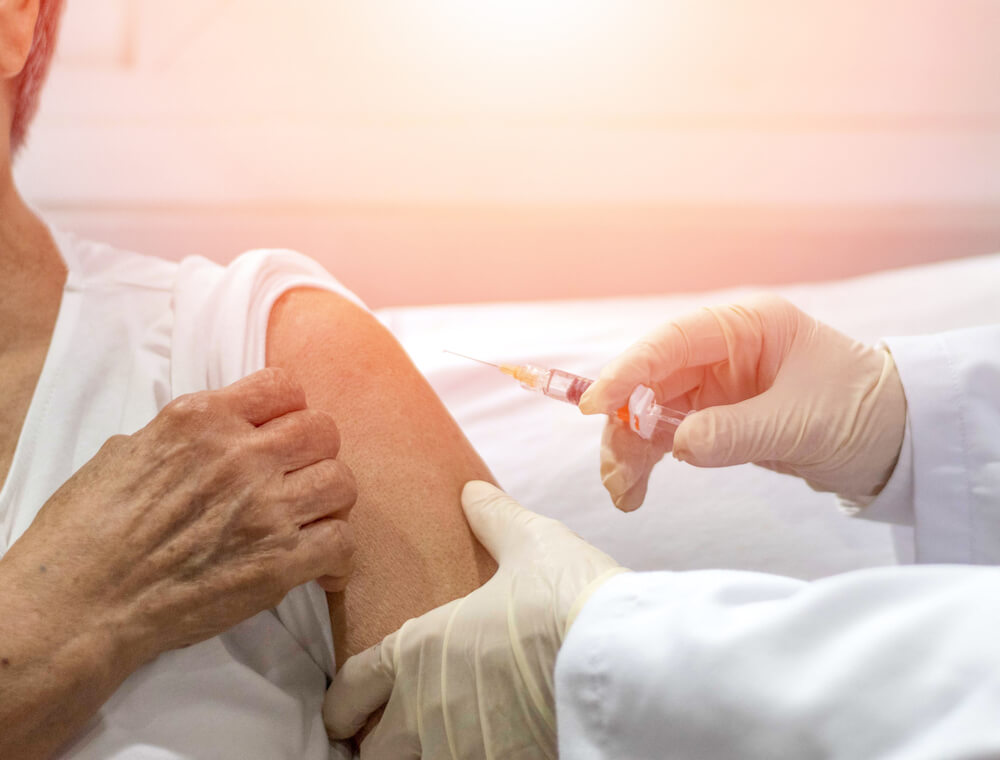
x,y
471,358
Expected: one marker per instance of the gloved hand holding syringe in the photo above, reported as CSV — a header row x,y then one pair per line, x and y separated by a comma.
x,y
771,385
642,414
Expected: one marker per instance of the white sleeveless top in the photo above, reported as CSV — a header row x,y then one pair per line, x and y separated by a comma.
x,y
133,332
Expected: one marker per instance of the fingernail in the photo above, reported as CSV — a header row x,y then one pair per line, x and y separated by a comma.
x,y
624,504
685,434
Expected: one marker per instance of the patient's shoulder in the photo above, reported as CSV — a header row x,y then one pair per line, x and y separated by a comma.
x,y
221,313
312,325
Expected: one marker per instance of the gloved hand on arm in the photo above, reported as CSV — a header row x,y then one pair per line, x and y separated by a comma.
x,y
474,678
772,386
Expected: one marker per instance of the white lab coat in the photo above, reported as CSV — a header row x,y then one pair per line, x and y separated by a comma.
x,y
896,662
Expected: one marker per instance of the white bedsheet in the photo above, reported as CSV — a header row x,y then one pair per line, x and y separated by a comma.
x,y
546,454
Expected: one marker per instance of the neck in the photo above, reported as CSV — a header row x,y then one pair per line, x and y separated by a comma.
x,y
25,243
32,272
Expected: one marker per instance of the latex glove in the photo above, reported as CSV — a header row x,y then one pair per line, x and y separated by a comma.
x,y
474,678
773,385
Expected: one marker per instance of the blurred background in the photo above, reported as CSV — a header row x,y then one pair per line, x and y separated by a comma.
x,y
442,151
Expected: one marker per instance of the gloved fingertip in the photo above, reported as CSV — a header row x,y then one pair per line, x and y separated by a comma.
x,y
634,494
476,491
497,520
605,395
627,502
627,492
338,727
705,439
681,449
614,483
689,442
340,724
592,400
361,686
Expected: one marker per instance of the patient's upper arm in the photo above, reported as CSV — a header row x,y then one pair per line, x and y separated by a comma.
x,y
415,550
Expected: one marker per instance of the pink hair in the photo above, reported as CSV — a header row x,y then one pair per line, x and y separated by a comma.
x,y
28,85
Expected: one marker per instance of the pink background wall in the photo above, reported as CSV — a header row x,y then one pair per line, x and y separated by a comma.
x,y
461,150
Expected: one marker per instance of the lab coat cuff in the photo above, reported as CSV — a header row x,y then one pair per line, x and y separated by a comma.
x,y
591,664
894,503
950,383
646,650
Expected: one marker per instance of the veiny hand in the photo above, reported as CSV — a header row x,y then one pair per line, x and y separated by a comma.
x,y
208,515
772,385
474,678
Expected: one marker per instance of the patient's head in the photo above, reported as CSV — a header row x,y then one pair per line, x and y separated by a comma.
x,y
26,46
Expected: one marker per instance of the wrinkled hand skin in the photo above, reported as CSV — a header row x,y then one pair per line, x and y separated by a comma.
x,y
206,516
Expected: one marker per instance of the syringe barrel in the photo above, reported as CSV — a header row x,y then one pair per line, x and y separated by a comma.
x,y
566,386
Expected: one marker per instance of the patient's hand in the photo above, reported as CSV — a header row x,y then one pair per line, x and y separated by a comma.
x,y
208,515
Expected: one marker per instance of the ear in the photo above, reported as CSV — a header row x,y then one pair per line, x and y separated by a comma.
x,y
17,30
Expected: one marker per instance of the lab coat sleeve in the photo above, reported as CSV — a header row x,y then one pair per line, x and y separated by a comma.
x,y
892,662
947,481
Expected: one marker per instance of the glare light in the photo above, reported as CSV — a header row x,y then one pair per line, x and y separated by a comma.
x,y
522,19
523,22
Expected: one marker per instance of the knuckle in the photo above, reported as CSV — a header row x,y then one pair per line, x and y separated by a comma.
x,y
271,374
770,304
330,552
345,537
776,315
319,428
340,544
189,407
280,383
115,450
647,349
337,483
115,444
327,431
652,355
331,476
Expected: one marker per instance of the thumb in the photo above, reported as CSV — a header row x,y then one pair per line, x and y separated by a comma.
x,y
499,522
720,436
626,463
362,685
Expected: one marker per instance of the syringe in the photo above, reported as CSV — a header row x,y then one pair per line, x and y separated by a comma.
x,y
642,414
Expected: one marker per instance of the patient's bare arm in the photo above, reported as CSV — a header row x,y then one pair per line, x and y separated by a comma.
x,y
414,548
